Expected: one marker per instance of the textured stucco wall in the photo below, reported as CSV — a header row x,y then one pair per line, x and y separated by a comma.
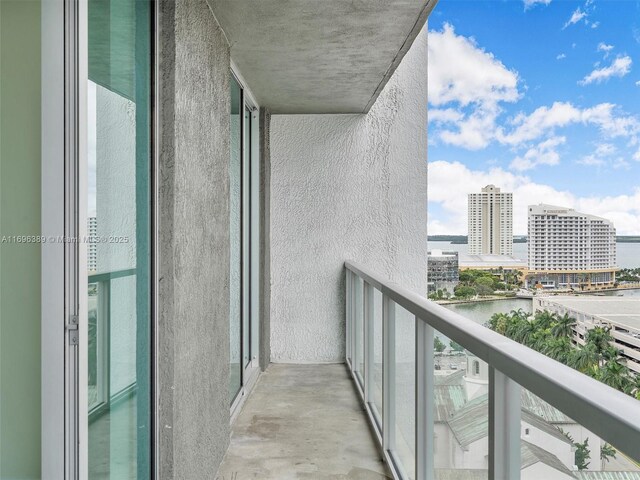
x,y
194,242
346,187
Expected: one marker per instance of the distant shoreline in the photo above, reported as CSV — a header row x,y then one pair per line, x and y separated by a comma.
x,y
462,239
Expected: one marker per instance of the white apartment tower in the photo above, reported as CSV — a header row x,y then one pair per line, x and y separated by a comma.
x,y
575,244
490,222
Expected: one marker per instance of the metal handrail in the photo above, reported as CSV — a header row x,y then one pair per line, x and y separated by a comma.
x,y
608,413
104,276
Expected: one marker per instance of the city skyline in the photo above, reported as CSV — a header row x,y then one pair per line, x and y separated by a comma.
x,y
543,102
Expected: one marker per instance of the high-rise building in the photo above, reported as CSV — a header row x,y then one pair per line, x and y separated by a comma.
x,y
570,249
490,222
92,246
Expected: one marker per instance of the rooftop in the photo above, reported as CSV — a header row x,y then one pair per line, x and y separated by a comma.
x,y
492,260
622,311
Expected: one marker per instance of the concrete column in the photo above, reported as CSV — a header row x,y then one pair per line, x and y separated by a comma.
x,y
265,239
193,310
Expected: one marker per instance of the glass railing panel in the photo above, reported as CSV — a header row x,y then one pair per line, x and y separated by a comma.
x,y
461,411
96,394
553,444
404,392
376,405
358,330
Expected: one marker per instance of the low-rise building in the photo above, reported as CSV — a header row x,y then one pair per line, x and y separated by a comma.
x,y
442,270
500,265
621,314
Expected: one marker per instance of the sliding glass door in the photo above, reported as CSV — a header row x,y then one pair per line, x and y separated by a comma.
x,y
243,184
118,251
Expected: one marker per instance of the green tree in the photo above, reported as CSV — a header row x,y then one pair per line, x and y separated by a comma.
x,y
455,346
600,338
563,326
483,290
584,358
615,374
438,345
465,292
583,455
607,452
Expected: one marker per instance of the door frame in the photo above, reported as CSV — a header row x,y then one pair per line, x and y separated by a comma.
x,y
250,181
64,318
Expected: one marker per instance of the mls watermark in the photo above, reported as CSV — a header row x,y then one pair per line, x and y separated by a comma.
x,y
92,239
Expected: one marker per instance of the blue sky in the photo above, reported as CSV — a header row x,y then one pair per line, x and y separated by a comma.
x,y
539,97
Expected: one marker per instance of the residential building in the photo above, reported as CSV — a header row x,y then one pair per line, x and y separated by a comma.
x,y
442,270
259,175
569,249
620,314
490,222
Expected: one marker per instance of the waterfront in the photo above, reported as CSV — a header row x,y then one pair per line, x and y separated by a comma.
x,y
628,254
481,312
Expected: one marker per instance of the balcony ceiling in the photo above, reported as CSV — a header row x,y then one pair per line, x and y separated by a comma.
x,y
319,56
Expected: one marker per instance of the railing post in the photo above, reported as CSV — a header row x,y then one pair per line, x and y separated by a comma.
x,y
504,427
388,374
348,311
425,435
368,343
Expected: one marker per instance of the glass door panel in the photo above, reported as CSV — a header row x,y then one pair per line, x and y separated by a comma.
x,y
119,236
235,227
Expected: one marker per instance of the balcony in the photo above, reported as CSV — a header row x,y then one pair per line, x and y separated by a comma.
x,y
428,416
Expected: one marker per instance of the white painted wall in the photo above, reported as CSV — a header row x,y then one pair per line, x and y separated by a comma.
x,y
346,187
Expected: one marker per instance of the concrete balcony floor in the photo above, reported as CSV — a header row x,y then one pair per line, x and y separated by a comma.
x,y
303,422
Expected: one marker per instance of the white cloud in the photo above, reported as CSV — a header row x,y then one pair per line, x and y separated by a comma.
x,y
444,177
561,56
601,156
591,161
561,114
576,16
638,83
619,68
445,115
595,24
460,71
605,149
603,47
476,81
542,154
533,3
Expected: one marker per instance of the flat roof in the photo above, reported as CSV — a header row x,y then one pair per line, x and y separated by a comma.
x,y
319,57
466,260
622,311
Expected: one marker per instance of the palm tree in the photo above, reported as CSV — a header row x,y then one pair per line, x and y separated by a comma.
x,y
599,337
584,358
563,326
498,322
544,319
558,349
615,374
525,331
606,452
